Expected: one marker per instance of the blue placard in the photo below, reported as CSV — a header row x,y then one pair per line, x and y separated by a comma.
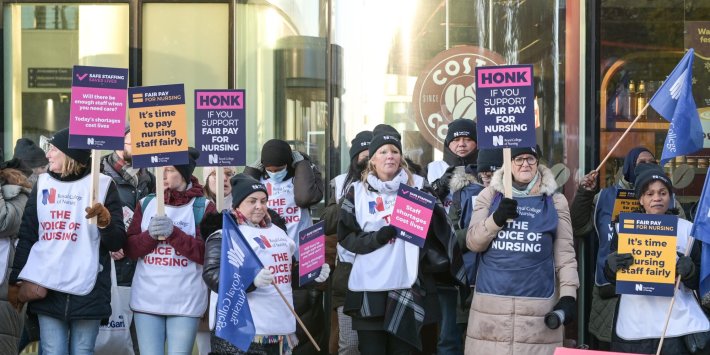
x,y
505,107
220,127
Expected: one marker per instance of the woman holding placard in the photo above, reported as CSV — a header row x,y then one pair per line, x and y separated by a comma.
x,y
526,265
274,323
168,296
63,257
640,320
391,290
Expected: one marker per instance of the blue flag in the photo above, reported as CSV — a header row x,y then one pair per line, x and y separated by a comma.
x,y
701,232
237,269
674,101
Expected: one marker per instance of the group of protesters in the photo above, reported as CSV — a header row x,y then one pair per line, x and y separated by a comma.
x,y
497,273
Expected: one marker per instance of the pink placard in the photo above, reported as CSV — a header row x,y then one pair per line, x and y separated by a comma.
x,y
98,111
568,351
412,214
492,77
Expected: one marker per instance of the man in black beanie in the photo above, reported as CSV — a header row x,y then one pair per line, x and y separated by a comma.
x,y
448,178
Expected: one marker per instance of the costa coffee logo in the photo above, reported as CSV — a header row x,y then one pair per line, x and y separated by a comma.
x,y
446,90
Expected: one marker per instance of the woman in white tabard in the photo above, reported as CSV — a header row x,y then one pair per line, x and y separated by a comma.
x,y
339,185
391,289
60,250
168,296
639,320
274,323
210,177
294,184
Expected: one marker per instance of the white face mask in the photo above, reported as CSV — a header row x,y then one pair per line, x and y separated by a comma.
x,y
277,176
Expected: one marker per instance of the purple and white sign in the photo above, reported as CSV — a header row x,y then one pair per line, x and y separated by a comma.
x,y
97,116
412,214
505,106
311,248
220,130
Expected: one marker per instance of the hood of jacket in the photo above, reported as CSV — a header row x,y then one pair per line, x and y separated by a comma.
x,y
462,178
545,185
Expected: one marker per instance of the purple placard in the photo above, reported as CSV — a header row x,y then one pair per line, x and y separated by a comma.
x,y
97,115
505,106
220,127
412,214
311,250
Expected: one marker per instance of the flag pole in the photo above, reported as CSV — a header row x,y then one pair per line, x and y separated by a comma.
x,y
297,318
622,137
670,308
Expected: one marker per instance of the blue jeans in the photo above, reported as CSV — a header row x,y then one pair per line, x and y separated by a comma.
x,y
450,334
154,330
76,337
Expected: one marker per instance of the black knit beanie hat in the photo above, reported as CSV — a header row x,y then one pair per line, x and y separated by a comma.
x,y
514,152
386,129
381,138
648,173
276,152
462,127
29,153
186,170
243,186
61,141
489,160
360,143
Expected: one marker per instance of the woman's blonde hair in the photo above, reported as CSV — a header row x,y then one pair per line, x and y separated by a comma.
x,y
402,165
72,167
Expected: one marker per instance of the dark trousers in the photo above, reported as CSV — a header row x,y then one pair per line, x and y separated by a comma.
x,y
379,342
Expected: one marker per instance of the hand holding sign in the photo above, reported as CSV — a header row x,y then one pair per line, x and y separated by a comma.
x,y
412,214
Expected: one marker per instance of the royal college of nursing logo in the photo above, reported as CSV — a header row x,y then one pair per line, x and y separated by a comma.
x,y
49,196
446,90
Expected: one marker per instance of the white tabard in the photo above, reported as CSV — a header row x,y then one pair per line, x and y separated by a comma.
x,y
275,250
643,317
65,258
166,282
393,266
282,200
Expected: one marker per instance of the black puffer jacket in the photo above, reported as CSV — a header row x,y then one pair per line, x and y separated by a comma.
x,y
129,195
60,305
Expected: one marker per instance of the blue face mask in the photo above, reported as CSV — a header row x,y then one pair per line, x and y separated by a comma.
x,y
278,176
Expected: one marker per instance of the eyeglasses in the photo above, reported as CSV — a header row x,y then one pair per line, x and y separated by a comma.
x,y
531,160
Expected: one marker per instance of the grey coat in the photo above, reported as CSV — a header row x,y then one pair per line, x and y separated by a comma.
x,y
12,203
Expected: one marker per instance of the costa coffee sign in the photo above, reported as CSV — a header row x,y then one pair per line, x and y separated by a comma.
x,y
446,90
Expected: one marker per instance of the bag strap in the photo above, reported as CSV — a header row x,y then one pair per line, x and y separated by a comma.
x,y
198,208
146,201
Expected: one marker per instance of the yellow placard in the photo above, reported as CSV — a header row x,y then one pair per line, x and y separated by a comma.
x,y
654,257
625,202
158,129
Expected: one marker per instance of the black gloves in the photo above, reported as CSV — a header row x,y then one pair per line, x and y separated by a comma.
x,y
684,267
385,234
210,224
508,209
569,305
441,186
616,261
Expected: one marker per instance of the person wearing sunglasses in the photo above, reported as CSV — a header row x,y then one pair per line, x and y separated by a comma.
x,y
526,265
